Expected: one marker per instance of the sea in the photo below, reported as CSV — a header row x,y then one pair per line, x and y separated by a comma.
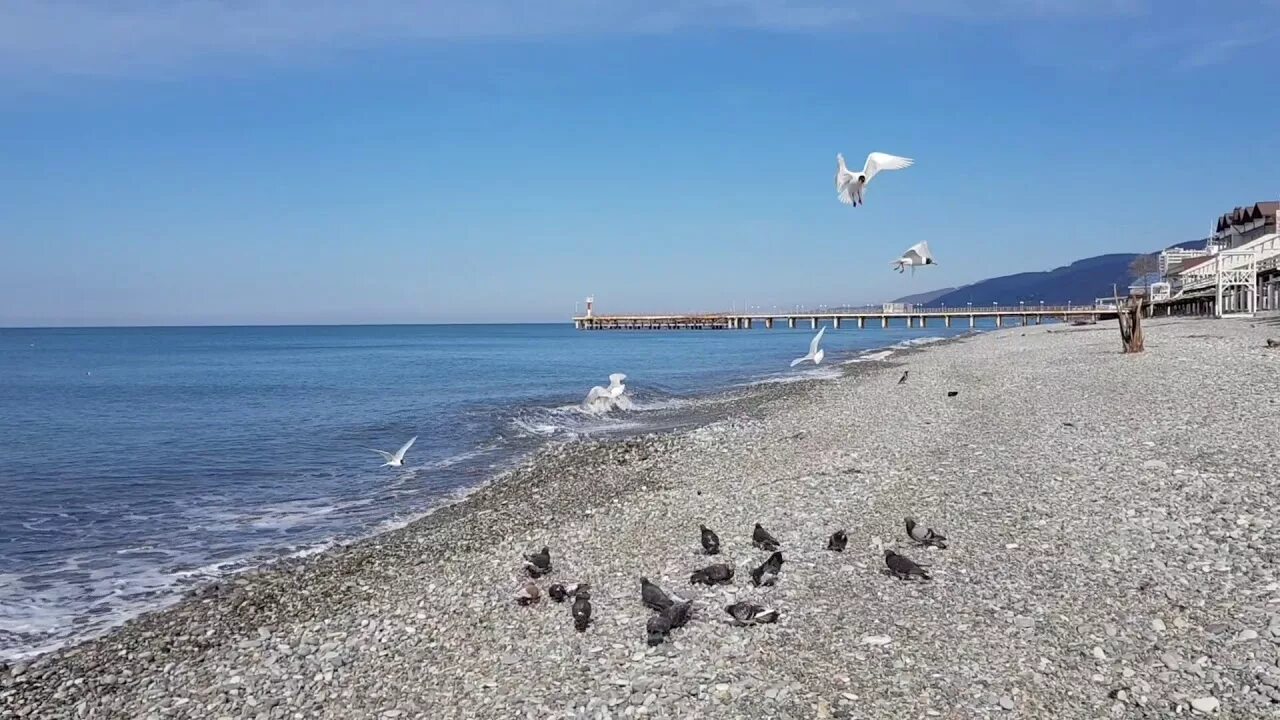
x,y
136,463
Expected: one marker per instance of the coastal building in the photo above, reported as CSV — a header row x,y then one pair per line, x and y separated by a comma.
x,y
1237,270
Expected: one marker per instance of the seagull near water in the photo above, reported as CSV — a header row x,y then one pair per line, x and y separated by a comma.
x,y
851,185
917,255
815,354
395,459
603,399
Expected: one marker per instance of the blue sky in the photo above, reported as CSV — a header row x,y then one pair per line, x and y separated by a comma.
x,y
280,161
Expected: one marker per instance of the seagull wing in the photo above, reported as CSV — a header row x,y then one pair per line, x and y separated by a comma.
x,y
878,161
405,448
813,344
385,455
926,255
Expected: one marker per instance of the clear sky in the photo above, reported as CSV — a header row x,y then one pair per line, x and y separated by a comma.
x,y
311,161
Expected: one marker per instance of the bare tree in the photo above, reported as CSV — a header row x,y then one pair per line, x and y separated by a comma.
x,y
1144,265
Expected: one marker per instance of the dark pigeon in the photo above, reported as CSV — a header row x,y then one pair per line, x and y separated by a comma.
x,y
744,613
763,540
558,593
952,393
1271,343
925,536
712,575
657,628
838,541
904,377
903,567
710,541
767,573
678,614
582,611
653,596
538,564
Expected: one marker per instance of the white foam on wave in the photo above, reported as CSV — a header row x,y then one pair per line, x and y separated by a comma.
x,y
826,372
915,342
871,356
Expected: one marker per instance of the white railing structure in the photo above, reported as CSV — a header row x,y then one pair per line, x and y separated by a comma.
x,y
1159,291
1235,269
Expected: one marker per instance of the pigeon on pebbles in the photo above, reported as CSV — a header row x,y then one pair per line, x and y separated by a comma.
x,y
538,564
744,613
653,596
767,573
924,536
838,541
763,540
903,567
712,575
710,541
581,611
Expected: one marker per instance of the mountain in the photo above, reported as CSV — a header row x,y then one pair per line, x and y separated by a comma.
x,y
1078,283
925,298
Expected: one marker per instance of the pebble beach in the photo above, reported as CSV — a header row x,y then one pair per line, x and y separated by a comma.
x,y
1113,553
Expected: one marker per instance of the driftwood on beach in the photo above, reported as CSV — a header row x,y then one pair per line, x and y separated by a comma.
x,y
1129,313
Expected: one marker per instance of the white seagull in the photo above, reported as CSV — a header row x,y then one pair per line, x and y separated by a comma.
x,y
917,254
395,459
850,185
604,399
814,353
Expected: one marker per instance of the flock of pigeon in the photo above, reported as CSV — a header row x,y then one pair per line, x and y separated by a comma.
x,y
672,612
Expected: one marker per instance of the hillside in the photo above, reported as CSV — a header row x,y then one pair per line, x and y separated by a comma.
x,y
1078,283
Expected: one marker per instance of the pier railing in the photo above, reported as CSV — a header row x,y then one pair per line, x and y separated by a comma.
x,y
914,317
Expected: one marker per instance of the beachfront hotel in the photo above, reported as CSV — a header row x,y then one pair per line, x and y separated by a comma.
x,y
1237,270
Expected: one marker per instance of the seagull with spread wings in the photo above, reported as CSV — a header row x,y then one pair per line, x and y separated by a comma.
x,y
850,185
918,254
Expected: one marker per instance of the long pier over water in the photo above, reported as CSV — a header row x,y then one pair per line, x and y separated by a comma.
x,y
918,317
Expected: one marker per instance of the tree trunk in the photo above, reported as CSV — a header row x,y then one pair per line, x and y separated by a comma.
x,y
1130,315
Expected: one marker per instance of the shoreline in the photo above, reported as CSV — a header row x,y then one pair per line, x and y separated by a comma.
x,y
419,619
698,409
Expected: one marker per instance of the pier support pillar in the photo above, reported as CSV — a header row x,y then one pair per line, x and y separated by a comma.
x,y
947,320
835,323
1039,319
862,322
910,322
971,321
924,321
884,321
1024,321
748,321
791,323
768,323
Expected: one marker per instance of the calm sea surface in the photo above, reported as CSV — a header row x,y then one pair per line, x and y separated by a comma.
x,y
136,462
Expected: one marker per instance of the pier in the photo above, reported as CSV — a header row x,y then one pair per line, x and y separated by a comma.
x,y
913,318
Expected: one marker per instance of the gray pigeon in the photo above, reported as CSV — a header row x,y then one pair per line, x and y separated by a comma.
x,y
904,376
903,567
712,575
838,541
582,611
538,564
1272,343
529,594
952,393
925,536
767,573
558,593
710,541
763,540
744,613
653,596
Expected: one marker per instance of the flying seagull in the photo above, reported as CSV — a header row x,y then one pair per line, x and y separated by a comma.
x,y
710,541
903,567
917,255
604,399
814,353
850,185
744,613
763,540
838,541
538,564
924,536
395,459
